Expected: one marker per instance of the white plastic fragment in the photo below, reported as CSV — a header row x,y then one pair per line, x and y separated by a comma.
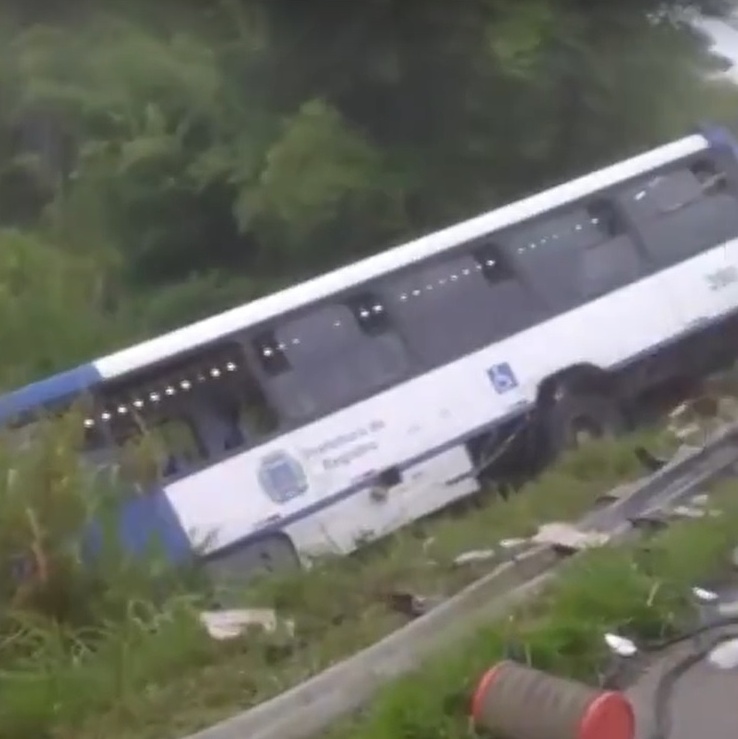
x,y
685,511
725,656
232,623
620,646
513,543
475,555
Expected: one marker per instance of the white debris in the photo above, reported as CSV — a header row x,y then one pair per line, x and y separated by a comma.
x,y
513,543
475,555
725,655
690,431
567,536
229,624
728,408
680,410
728,609
684,511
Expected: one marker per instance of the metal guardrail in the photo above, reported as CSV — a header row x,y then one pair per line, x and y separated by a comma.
x,y
311,707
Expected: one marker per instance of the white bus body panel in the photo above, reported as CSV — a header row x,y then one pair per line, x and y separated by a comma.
x,y
429,418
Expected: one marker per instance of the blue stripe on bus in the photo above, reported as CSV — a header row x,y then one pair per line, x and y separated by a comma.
x,y
55,388
719,137
149,519
143,523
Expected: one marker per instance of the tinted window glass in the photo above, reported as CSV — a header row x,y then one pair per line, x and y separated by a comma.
x,y
682,212
576,255
157,444
189,412
459,305
334,355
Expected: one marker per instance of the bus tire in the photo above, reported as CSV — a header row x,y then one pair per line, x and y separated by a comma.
x,y
569,419
271,554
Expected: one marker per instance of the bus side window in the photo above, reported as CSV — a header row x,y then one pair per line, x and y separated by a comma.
x,y
381,356
683,211
180,440
330,356
249,413
606,218
513,304
272,354
294,401
370,313
161,442
712,181
449,307
584,252
548,252
614,260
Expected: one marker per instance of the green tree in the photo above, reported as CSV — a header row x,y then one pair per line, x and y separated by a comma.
x,y
50,309
265,141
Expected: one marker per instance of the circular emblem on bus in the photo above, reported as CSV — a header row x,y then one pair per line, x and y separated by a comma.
x,y
282,477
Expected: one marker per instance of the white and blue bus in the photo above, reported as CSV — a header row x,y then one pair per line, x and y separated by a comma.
x,y
345,407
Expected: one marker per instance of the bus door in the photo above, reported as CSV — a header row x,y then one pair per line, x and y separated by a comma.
x,y
687,218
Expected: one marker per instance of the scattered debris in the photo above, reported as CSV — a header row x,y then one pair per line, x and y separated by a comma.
x,y
652,521
474,556
725,656
696,419
687,511
728,408
568,538
511,544
728,609
411,605
701,500
509,548
650,461
222,625
617,493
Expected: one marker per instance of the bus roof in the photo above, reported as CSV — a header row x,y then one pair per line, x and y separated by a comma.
x,y
61,386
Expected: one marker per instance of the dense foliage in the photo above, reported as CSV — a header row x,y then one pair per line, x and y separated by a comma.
x,y
159,161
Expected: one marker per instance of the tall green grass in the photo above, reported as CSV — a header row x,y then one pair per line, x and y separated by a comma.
x,y
111,645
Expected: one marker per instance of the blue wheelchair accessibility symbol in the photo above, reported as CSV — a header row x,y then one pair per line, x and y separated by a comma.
x,y
502,377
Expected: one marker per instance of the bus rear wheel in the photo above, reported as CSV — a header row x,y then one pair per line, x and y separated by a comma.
x,y
570,420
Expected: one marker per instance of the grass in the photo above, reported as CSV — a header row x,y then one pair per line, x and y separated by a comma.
x,y
116,650
635,590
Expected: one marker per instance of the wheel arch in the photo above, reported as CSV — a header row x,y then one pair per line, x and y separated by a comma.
x,y
584,377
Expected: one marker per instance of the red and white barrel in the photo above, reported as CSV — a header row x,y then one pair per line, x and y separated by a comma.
x,y
513,701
